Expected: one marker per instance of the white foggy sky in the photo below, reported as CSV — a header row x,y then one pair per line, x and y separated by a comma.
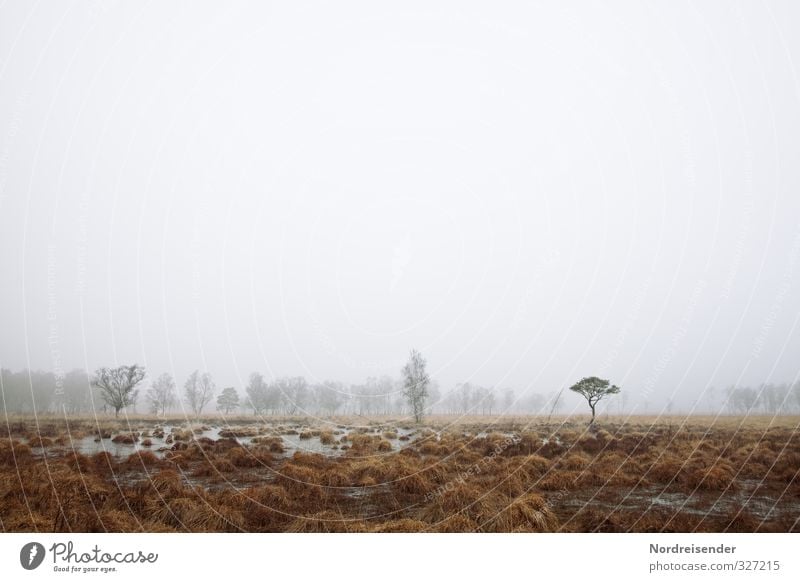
x,y
526,192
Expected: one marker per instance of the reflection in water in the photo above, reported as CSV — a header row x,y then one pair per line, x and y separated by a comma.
x,y
289,434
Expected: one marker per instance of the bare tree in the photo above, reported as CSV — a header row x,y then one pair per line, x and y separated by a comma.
x,y
199,390
434,396
509,398
295,394
415,384
796,392
742,400
77,392
161,394
118,385
257,393
329,396
490,400
594,389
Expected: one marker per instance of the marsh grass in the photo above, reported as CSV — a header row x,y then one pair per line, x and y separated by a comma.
x,y
640,476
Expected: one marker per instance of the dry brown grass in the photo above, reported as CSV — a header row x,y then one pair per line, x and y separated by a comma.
x,y
127,438
445,480
574,462
196,514
404,525
249,458
182,434
239,432
13,452
717,477
528,513
146,458
273,444
336,476
666,470
364,444
530,466
458,523
558,481
326,522
40,442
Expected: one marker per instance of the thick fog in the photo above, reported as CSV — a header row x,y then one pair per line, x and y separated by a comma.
x,y
526,193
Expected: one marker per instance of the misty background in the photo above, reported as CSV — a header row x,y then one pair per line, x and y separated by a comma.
x,y
528,194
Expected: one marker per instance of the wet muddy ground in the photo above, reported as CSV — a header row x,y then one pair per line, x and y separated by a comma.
x,y
295,475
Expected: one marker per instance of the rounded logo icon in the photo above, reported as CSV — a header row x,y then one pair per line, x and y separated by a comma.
x,y
31,555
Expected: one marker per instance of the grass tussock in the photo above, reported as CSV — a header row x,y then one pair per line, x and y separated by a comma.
x,y
239,432
145,458
127,438
249,458
40,442
13,452
558,481
326,522
528,513
405,525
457,523
717,477
274,444
182,434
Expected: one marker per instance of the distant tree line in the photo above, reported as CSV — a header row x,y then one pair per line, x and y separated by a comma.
x,y
107,390
78,392
26,391
763,399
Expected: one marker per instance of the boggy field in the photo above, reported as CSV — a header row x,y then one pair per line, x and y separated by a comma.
x,y
343,475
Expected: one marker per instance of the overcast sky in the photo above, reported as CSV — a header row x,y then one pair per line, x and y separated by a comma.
x,y
527,192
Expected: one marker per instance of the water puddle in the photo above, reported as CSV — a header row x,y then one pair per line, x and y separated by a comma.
x,y
161,438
